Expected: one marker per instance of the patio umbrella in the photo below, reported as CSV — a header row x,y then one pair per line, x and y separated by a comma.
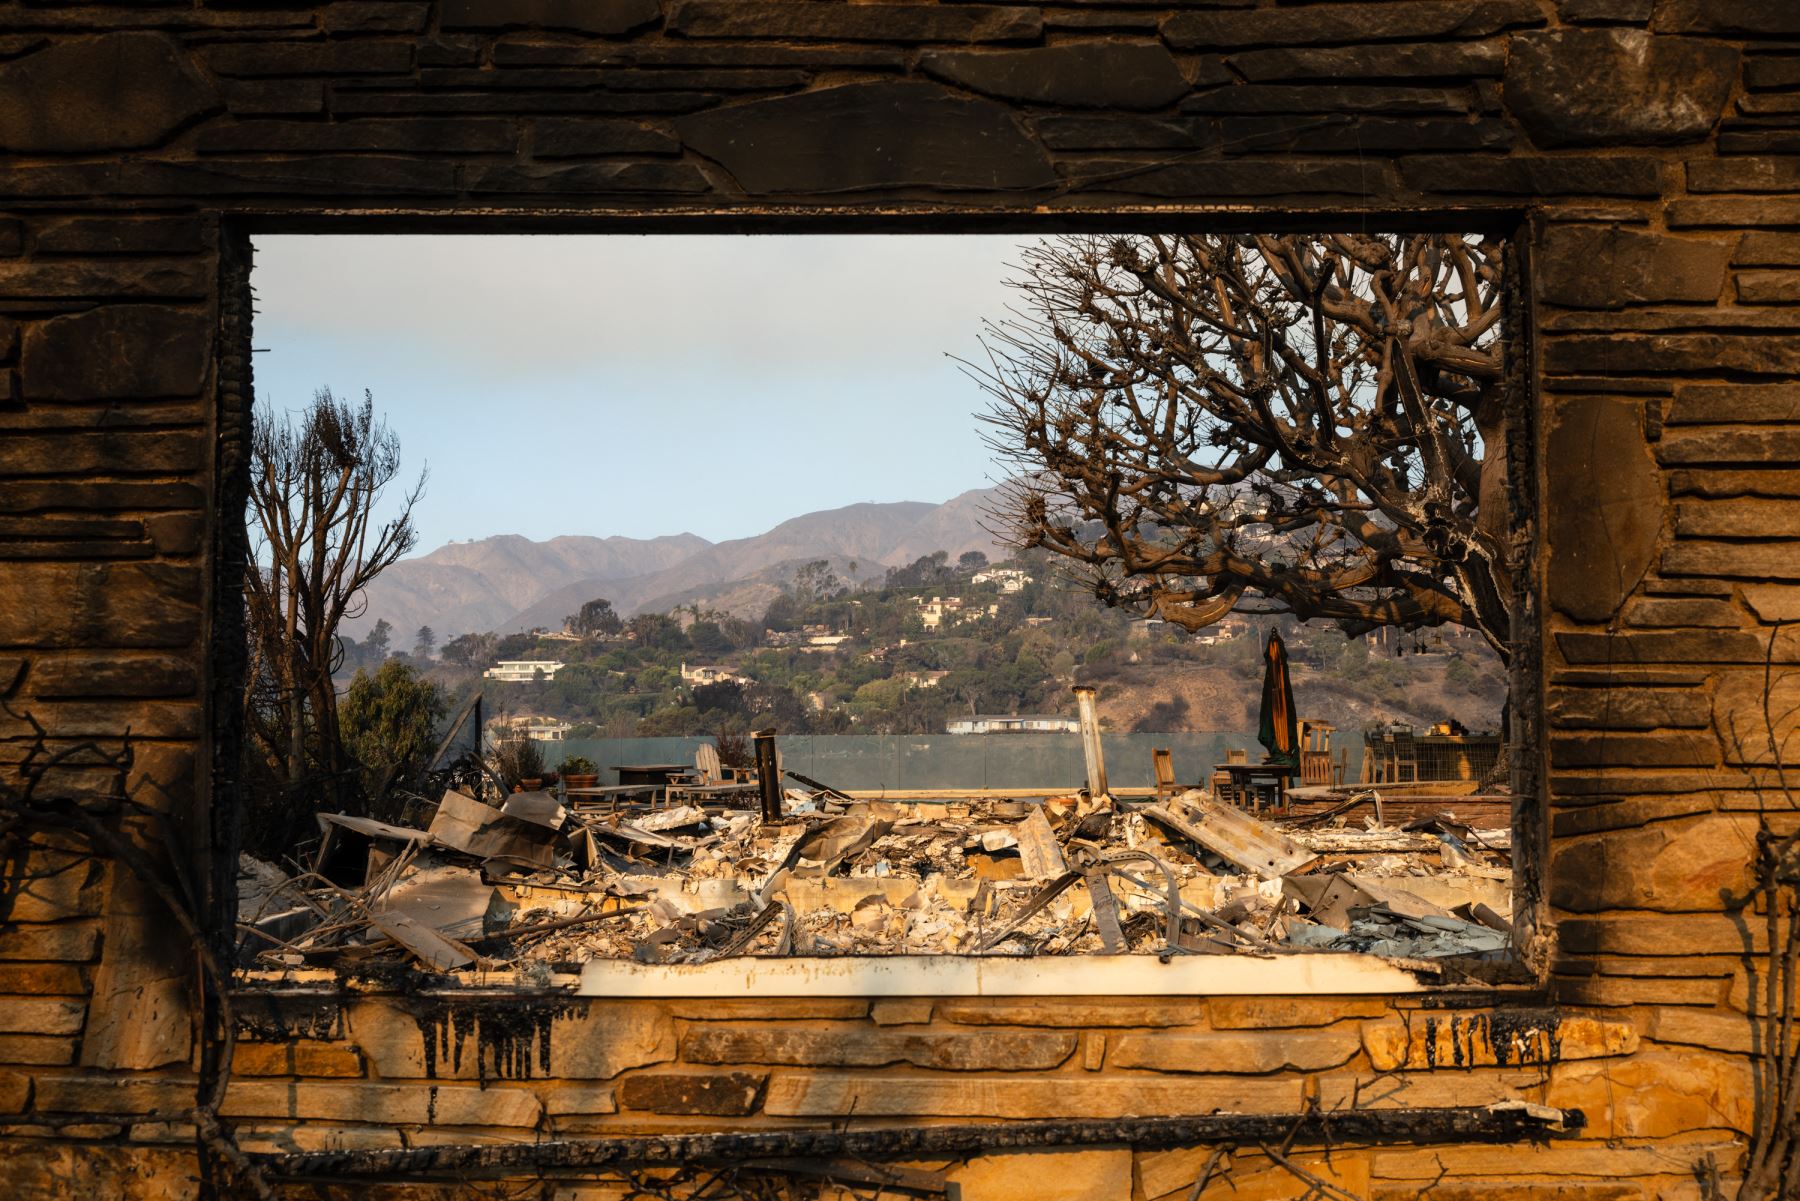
x,y
1277,729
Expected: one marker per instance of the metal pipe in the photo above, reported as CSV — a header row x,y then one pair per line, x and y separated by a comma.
x,y
1090,740
1462,1124
768,775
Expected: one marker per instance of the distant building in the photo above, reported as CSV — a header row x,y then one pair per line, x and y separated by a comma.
x,y
1035,622
537,729
1021,723
827,641
708,673
949,610
1009,579
922,679
523,671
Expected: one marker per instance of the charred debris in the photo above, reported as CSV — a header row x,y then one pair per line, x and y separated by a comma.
x,y
705,865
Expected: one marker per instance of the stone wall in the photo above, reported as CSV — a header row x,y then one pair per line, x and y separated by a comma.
x,y
1646,151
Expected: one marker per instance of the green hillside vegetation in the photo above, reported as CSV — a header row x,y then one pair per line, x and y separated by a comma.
x,y
624,680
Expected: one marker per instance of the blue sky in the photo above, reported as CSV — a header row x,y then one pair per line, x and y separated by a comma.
x,y
643,385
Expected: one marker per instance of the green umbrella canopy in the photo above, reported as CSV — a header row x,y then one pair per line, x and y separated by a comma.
x,y
1278,729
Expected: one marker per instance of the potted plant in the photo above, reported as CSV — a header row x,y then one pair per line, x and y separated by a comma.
x,y
520,763
578,771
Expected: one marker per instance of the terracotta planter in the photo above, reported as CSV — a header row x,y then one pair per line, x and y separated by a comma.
x,y
581,779
530,785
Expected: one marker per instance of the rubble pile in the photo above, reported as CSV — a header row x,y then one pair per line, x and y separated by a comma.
x,y
533,884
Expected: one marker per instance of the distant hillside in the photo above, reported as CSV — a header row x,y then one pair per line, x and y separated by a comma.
x,y
509,583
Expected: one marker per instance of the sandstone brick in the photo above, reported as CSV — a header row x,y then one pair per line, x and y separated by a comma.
x,y
1773,602
1259,1013
37,1050
1339,24
888,1094
109,235
1224,1053
373,16
100,354
1584,87
1047,1175
384,1104
1768,287
1390,100
1680,612
867,135
100,1094
1727,16
855,1046
1732,481
1247,1176
562,1100
714,1094
589,178
1628,708
112,675
1558,1160
118,91
1660,934
854,22
1111,75
73,941
582,16
1740,560
15,1090
264,97
50,1167
1761,248
772,1009
1073,1012
577,139
587,1041
1614,749
474,135
1502,1037
276,1138
108,278
1587,266
301,1057
1242,178
901,1011
1656,1094
1599,175
1618,992
1301,134
1604,534
1683,865
1658,646
1431,59
347,57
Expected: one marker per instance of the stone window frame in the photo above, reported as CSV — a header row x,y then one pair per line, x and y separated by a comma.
x,y
1524,975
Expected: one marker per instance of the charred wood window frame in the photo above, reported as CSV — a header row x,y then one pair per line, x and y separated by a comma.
x,y
222,799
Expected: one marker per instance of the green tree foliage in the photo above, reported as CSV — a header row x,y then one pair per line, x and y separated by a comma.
x,y
657,631
390,723
378,642
424,642
972,560
470,650
595,619
707,638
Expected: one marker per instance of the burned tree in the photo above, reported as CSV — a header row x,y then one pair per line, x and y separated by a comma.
x,y
1315,421
316,480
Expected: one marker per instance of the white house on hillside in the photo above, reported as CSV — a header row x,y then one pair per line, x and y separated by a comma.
x,y
523,671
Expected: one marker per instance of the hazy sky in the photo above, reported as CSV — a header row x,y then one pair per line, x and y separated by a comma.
x,y
643,385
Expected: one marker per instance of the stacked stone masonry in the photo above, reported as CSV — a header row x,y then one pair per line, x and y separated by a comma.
x,y
1645,152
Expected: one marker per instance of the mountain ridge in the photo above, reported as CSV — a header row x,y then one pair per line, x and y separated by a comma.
x,y
508,582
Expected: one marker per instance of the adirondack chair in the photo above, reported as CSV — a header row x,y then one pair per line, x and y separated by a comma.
x,y
1165,773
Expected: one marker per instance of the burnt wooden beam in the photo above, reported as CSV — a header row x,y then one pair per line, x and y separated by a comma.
x,y
1462,1124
